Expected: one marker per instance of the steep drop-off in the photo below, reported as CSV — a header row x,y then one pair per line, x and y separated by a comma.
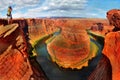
x,y
112,43
31,31
114,18
112,50
14,63
15,51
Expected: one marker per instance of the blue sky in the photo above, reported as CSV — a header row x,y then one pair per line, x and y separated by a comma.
x,y
58,8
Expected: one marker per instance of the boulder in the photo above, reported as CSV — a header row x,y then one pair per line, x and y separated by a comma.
x,y
114,18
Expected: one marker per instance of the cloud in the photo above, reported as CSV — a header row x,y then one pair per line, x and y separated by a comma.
x,y
18,4
60,8
65,4
39,8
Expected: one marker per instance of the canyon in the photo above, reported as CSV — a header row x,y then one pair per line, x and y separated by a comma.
x,y
18,62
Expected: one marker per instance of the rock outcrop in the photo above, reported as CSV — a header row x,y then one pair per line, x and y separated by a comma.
x,y
97,27
14,39
40,27
112,43
15,51
14,63
112,50
71,49
114,18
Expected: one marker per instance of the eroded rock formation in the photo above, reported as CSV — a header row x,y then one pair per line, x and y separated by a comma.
x,y
114,18
14,63
97,27
47,26
12,40
40,27
71,49
112,50
112,43
15,51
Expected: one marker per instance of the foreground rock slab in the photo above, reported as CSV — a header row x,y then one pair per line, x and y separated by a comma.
x,y
14,64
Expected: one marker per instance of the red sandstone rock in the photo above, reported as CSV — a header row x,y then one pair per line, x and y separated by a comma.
x,y
47,26
114,18
112,51
13,62
103,71
71,47
97,27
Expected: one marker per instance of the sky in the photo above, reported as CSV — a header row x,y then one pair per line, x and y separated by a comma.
x,y
58,8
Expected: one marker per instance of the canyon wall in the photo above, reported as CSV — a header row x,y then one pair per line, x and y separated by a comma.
x,y
110,67
14,63
15,43
47,26
112,43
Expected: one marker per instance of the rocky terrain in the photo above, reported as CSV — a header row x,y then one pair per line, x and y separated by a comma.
x,y
112,43
16,42
14,58
13,54
111,50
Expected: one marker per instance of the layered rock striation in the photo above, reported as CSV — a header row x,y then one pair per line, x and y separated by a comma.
x,y
71,48
112,50
14,63
15,51
14,38
112,43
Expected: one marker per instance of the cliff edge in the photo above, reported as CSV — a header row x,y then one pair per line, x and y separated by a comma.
x,y
14,63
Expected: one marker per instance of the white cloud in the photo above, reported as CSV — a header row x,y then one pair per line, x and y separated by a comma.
x,y
35,8
66,4
60,8
18,3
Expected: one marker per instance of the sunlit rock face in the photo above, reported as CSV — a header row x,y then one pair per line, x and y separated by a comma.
x,y
97,27
112,50
40,27
14,64
112,43
114,18
70,47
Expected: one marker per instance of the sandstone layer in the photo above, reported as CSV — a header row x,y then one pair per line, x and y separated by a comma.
x,y
112,42
14,49
45,26
114,18
112,50
71,49
14,64
15,52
